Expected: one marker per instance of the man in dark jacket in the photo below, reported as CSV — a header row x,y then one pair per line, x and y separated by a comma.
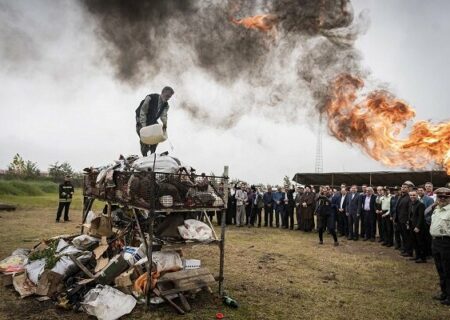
x,y
401,219
368,211
326,215
417,227
152,108
353,211
268,207
65,198
290,206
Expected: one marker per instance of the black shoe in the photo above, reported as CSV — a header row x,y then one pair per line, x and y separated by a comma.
x,y
320,242
384,244
413,259
406,254
365,239
440,297
397,248
355,239
389,245
372,240
349,238
68,220
57,221
380,240
336,243
446,302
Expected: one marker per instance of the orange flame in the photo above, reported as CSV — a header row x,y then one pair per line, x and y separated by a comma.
x,y
375,122
265,22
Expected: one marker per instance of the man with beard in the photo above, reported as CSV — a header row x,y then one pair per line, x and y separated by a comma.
x,y
290,206
417,227
401,219
325,215
307,203
440,231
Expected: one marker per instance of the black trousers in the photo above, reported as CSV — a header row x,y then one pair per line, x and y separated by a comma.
x,y
248,213
363,225
280,212
353,226
342,223
419,244
256,216
388,229
369,224
405,234
289,217
441,255
397,236
65,206
268,216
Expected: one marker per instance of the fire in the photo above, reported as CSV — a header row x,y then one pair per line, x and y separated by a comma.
x,y
265,22
375,121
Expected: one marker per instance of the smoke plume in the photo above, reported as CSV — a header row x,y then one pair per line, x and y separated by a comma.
x,y
276,58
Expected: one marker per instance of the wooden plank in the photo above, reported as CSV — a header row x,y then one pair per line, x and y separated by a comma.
x,y
81,266
183,274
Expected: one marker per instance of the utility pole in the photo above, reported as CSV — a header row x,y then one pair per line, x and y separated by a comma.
x,y
319,156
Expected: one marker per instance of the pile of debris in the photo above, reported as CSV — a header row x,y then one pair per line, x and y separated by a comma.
x,y
127,181
104,271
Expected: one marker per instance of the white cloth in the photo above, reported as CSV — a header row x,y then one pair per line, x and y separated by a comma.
x,y
440,222
367,203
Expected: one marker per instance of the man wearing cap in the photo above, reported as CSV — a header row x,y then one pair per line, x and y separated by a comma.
x,y
440,231
153,107
65,198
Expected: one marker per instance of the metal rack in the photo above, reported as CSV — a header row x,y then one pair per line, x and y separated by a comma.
x,y
140,190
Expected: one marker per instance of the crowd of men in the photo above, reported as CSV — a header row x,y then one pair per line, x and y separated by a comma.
x,y
413,220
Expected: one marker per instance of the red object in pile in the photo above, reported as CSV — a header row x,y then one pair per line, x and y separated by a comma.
x,y
219,315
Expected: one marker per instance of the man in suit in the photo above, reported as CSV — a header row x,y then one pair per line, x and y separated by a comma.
x,y
342,221
361,217
368,211
268,207
401,219
153,107
417,227
428,202
298,207
279,199
353,211
379,214
393,214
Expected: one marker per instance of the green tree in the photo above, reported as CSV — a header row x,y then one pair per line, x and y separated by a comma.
x,y
21,168
58,171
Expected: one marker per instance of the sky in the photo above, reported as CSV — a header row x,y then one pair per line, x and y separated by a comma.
x,y
61,102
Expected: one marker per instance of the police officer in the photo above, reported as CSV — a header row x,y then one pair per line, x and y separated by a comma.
x,y
440,231
65,198
326,215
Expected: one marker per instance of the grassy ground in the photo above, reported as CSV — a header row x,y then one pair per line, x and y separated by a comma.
x,y
273,274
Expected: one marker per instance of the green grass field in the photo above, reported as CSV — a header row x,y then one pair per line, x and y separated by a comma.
x,y
272,273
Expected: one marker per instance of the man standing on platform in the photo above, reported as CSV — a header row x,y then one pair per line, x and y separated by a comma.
x,y
153,107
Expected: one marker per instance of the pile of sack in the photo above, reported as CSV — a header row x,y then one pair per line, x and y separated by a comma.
x,y
97,272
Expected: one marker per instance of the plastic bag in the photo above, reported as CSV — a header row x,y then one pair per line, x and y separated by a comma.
x,y
66,267
85,242
107,303
13,263
195,230
34,270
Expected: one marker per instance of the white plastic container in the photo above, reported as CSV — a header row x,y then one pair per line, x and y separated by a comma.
x,y
153,134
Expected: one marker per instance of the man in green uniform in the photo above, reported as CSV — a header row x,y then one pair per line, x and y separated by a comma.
x,y
65,198
440,231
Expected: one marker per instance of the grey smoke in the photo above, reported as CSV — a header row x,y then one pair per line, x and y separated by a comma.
x,y
241,71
